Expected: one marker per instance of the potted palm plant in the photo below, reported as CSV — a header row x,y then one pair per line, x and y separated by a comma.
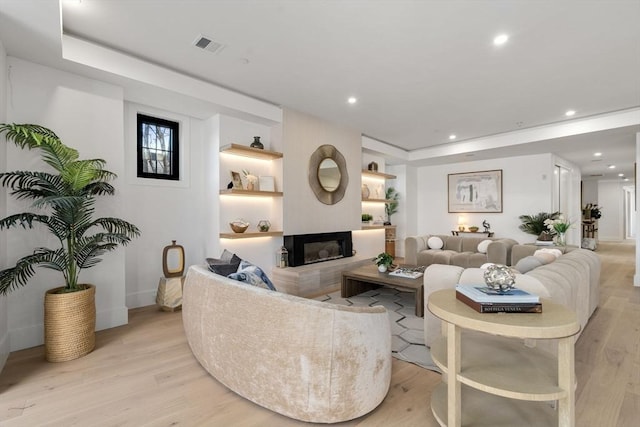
x,y
63,202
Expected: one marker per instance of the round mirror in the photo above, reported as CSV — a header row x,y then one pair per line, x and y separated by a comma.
x,y
328,176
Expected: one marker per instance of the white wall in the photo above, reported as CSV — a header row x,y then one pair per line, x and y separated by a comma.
x,y
87,115
611,199
4,318
163,210
303,213
527,183
589,192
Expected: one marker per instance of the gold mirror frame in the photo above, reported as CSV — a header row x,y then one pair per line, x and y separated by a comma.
x,y
322,153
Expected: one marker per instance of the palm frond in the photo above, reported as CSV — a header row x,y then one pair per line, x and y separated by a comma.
x,y
534,224
54,152
12,278
25,220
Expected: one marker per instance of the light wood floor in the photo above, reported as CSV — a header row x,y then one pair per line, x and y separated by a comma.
x,y
143,374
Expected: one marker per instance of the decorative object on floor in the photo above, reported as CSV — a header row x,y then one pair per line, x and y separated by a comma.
x,y
282,257
499,277
256,143
328,176
384,261
391,204
373,167
475,191
239,226
486,225
173,260
67,195
407,330
264,225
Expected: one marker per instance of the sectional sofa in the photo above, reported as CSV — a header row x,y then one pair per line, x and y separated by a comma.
x,y
457,250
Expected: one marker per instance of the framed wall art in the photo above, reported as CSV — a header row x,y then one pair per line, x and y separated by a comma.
x,y
236,180
475,191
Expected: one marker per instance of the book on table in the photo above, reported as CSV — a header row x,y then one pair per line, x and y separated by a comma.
x,y
408,272
486,300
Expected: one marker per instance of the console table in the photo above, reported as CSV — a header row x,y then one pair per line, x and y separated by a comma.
x,y
463,233
501,381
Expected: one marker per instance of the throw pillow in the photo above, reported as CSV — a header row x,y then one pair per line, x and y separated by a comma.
x,y
253,275
483,246
435,242
527,263
227,263
555,252
546,258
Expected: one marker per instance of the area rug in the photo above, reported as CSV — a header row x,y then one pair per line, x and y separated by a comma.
x,y
407,330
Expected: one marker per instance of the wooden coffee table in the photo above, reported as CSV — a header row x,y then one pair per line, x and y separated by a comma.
x,y
368,277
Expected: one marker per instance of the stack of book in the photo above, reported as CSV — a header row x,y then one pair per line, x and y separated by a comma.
x,y
408,272
486,300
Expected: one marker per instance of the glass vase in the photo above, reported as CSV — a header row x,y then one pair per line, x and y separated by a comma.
x,y
561,239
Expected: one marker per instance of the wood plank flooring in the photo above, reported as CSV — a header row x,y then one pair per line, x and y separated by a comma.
x,y
143,374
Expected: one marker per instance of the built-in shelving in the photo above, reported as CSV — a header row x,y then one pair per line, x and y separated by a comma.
x,y
246,235
256,153
250,193
376,200
375,174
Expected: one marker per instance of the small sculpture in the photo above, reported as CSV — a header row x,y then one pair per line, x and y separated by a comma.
x,y
499,277
486,226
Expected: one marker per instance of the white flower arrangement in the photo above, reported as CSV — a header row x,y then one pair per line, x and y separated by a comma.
x,y
560,225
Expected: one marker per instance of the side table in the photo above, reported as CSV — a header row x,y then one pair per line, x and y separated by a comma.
x,y
169,295
501,381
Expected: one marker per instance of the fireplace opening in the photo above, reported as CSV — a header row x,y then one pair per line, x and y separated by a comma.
x,y
313,248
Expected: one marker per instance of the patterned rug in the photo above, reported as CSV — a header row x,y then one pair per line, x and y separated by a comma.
x,y
407,330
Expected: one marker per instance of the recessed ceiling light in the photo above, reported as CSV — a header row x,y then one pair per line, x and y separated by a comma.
x,y
569,113
352,100
612,166
598,154
626,179
500,40
452,137
620,174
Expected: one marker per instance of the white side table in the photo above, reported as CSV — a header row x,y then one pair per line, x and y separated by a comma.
x,y
169,295
492,379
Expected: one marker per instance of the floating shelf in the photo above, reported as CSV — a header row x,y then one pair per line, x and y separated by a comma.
x,y
245,151
238,192
378,174
250,235
377,200
377,227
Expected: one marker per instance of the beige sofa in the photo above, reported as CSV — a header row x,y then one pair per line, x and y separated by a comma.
x,y
457,250
572,280
308,360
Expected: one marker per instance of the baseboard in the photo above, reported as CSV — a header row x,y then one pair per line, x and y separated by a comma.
x,y
636,280
4,349
141,299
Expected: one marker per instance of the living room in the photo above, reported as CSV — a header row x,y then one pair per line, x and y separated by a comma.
x,y
95,112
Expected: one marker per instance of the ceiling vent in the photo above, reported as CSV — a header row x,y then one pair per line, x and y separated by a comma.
x,y
596,174
206,43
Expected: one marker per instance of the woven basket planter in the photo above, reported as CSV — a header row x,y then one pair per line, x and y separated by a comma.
x,y
69,324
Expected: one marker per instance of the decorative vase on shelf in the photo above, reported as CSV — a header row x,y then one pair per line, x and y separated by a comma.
x,y
264,225
256,143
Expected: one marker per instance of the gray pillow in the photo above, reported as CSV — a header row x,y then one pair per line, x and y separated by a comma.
x,y
527,264
225,265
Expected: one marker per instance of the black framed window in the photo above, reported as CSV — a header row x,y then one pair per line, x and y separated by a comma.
x,y
158,148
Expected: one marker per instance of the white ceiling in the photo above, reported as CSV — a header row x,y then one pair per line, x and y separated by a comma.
x,y
421,70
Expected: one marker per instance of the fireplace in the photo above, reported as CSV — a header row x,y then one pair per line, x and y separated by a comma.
x,y
312,248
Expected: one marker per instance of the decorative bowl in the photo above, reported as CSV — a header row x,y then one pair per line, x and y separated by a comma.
x,y
239,226
474,229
